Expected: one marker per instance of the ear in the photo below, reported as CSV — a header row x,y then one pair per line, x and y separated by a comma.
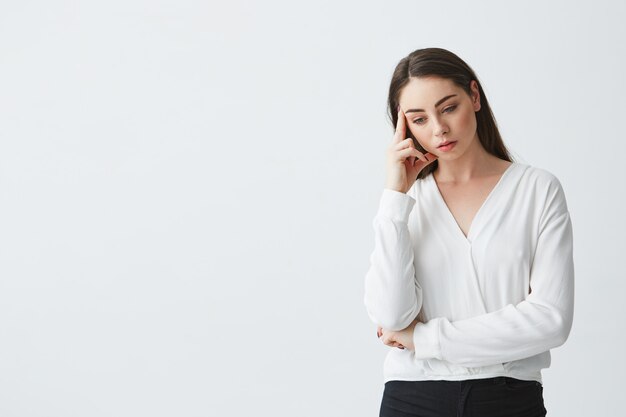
x,y
475,95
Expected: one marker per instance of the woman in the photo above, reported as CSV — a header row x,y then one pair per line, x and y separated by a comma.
x,y
471,281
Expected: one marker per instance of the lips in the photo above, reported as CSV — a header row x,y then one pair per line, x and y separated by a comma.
x,y
446,143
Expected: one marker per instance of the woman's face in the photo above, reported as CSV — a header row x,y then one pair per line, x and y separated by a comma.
x,y
438,111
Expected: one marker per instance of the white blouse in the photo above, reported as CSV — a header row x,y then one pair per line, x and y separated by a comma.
x,y
490,304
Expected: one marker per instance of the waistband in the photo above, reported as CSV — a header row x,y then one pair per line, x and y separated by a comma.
x,y
497,380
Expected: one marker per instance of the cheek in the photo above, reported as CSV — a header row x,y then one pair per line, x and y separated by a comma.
x,y
420,138
419,134
466,121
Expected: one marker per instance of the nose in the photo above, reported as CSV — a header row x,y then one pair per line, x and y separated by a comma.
x,y
439,127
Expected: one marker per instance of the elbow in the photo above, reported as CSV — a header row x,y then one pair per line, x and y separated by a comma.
x,y
561,328
565,329
397,323
393,307
392,319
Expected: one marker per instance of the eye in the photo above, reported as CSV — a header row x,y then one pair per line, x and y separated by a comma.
x,y
420,120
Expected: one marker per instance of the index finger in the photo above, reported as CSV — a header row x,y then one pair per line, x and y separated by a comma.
x,y
400,134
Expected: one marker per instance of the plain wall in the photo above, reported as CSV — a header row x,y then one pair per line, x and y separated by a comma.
x,y
187,190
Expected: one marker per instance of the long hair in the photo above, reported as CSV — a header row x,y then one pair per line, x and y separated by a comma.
x,y
442,63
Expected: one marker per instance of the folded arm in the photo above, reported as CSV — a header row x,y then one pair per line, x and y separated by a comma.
x,y
541,322
393,296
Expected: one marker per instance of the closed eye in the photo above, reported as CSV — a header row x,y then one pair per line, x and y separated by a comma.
x,y
420,120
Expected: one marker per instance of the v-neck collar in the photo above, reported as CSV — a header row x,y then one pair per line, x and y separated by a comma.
x,y
476,220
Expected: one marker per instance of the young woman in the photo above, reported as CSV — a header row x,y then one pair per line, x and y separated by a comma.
x,y
471,281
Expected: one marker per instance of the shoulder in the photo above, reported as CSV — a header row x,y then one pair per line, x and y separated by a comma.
x,y
540,179
544,185
539,176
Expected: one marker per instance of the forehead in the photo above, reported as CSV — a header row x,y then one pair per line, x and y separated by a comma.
x,y
424,92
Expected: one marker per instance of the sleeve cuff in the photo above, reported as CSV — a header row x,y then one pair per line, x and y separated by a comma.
x,y
426,340
395,205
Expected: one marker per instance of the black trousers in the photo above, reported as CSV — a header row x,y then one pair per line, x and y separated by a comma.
x,y
491,397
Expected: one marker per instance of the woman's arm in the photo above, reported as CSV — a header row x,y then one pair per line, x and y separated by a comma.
x,y
541,322
392,295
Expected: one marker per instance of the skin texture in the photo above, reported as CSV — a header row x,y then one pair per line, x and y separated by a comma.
x,y
465,175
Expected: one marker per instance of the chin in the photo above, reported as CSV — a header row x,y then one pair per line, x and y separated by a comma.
x,y
445,155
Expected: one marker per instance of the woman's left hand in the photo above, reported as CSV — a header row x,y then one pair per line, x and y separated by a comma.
x,y
400,339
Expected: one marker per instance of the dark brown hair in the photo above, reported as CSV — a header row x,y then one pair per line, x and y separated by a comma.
x,y
438,62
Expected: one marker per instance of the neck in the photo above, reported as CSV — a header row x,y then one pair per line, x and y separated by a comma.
x,y
475,162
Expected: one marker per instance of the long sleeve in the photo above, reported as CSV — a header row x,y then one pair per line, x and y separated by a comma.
x,y
393,297
540,322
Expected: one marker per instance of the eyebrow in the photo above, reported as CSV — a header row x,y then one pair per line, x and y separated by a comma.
x,y
436,104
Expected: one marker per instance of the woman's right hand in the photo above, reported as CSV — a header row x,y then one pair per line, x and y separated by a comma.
x,y
404,162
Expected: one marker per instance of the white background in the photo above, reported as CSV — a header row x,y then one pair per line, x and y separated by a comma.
x,y
187,190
